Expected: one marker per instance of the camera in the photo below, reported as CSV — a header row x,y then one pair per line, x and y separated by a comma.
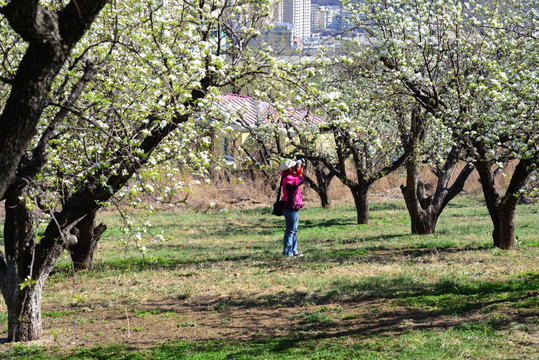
x,y
299,162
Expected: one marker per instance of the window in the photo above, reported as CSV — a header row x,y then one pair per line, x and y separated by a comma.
x,y
228,144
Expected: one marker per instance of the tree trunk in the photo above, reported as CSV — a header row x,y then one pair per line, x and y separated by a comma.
x,y
82,253
24,310
504,230
418,202
361,200
425,209
324,198
323,186
502,209
423,221
24,272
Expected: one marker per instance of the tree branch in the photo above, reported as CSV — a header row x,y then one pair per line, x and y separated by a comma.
x,y
33,22
6,80
39,155
49,45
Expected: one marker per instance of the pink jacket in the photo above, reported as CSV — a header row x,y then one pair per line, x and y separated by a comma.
x,y
291,192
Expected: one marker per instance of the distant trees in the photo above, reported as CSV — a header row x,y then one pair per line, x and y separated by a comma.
x,y
428,138
429,82
357,137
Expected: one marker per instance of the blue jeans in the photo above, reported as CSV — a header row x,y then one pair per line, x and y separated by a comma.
x,y
290,242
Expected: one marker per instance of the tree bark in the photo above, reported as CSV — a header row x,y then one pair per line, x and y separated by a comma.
x,y
82,253
26,265
24,311
502,209
361,200
425,209
50,36
503,234
422,217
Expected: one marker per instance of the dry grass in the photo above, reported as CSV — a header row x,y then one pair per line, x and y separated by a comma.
x,y
219,275
260,191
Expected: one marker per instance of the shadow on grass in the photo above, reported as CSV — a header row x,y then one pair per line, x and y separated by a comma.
x,y
452,306
443,305
264,259
268,259
448,296
382,254
307,224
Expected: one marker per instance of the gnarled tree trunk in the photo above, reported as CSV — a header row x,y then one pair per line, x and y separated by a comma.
x,y
425,209
82,253
502,209
423,218
25,269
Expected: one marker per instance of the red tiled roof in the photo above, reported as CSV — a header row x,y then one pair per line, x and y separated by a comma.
x,y
248,111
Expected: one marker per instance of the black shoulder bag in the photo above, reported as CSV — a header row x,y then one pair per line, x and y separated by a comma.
x,y
278,206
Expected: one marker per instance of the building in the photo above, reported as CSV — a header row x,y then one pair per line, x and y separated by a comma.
x,y
298,13
280,38
318,18
334,17
243,114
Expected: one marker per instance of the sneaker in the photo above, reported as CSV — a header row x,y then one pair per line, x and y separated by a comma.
x,y
298,254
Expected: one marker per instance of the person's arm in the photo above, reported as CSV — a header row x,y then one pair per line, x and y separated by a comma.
x,y
300,170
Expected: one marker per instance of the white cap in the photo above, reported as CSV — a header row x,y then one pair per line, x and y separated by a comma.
x,y
287,164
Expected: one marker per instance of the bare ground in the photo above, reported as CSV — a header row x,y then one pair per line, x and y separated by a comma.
x,y
198,319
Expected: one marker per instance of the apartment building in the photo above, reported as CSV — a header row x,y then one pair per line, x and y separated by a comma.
x,y
298,13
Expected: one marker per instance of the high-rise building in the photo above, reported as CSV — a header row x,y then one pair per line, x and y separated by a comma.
x,y
318,17
298,13
279,37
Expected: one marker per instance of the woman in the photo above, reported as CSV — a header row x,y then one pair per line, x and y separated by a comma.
x,y
292,178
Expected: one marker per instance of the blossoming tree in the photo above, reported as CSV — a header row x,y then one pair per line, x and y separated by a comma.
x,y
126,101
471,65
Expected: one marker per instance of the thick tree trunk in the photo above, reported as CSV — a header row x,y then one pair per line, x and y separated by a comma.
x,y
504,229
425,209
24,272
419,204
423,222
361,200
82,253
24,310
502,209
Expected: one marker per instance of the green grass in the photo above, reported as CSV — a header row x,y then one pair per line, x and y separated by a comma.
x,y
361,291
477,342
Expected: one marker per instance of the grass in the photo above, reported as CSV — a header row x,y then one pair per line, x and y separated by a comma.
x,y
218,288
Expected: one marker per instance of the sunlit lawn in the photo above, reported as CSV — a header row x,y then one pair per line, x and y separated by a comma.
x,y
373,291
